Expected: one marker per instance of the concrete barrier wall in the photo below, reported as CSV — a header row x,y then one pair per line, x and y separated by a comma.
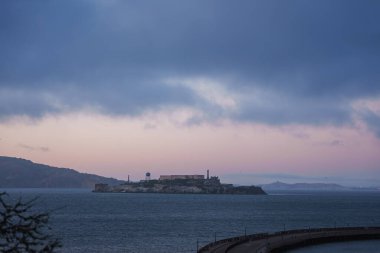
x,y
279,241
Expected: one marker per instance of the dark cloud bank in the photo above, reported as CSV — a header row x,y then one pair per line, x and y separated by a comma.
x,y
313,58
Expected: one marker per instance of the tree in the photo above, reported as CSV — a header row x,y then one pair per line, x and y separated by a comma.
x,y
22,229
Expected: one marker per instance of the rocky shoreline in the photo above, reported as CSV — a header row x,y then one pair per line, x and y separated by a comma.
x,y
183,186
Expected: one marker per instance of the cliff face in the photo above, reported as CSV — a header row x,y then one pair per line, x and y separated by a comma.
x,y
21,173
180,186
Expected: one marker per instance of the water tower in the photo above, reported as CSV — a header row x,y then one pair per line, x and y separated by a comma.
x,y
147,176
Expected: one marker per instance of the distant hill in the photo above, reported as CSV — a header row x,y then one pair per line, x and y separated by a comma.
x,y
21,173
280,186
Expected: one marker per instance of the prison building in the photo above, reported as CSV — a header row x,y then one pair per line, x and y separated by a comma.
x,y
174,177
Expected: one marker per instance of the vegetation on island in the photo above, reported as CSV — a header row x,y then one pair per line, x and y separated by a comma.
x,y
196,186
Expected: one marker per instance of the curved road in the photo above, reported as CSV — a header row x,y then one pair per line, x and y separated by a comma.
x,y
277,242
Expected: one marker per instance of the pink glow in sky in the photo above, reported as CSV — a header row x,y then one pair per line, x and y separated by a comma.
x,y
117,147
254,91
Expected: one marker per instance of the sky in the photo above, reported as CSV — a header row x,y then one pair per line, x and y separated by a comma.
x,y
254,91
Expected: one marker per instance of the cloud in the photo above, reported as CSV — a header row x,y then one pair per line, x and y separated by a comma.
x,y
149,126
335,143
373,122
332,143
302,62
368,111
299,134
33,148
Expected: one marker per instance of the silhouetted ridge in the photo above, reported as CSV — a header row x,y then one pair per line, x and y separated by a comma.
x,y
21,173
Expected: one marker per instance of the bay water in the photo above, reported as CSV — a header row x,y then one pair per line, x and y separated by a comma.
x,y
163,223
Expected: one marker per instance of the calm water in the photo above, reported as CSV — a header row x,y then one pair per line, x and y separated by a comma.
x,y
145,223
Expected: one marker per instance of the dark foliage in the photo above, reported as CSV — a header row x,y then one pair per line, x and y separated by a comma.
x,y
22,229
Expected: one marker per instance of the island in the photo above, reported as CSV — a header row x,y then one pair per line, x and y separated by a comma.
x,y
184,184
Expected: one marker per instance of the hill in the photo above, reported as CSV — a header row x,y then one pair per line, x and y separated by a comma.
x,y
21,173
280,186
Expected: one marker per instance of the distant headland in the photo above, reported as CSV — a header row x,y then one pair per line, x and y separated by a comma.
x,y
196,184
21,173
313,187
